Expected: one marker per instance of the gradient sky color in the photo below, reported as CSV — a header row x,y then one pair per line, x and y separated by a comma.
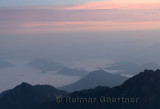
x,y
11,3
111,15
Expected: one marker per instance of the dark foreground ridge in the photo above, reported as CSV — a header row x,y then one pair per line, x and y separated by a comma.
x,y
139,92
26,96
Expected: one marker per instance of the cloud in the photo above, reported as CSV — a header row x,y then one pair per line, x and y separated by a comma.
x,y
118,4
97,16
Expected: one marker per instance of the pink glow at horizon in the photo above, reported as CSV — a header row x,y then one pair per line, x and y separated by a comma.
x,y
115,5
114,15
53,27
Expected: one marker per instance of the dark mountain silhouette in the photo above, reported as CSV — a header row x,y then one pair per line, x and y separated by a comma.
x,y
139,92
26,96
72,72
94,79
45,65
5,64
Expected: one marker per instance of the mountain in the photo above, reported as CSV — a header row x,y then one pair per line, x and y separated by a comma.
x,y
94,79
5,64
45,65
26,96
72,72
139,92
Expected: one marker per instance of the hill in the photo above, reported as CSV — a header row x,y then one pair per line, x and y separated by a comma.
x,y
139,92
94,79
26,96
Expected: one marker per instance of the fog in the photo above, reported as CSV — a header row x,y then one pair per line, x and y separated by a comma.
x,y
11,77
88,50
79,46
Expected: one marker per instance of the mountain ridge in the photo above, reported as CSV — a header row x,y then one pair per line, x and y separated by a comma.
x,y
144,87
26,96
94,79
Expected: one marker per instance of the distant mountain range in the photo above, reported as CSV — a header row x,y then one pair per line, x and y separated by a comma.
x,y
5,64
48,65
139,92
94,79
131,67
26,96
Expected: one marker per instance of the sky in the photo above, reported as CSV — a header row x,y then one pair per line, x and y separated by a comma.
x,y
26,25
8,3
77,33
50,16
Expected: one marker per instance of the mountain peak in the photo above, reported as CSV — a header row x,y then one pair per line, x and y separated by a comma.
x,y
26,84
144,87
26,96
100,71
146,80
94,79
149,73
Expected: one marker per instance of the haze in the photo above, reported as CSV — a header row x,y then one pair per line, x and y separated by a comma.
x,y
77,33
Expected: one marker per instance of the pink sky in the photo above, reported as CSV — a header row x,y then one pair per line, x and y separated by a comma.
x,y
98,16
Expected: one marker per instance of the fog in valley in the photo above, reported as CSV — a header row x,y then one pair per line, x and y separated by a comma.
x,y
76,52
